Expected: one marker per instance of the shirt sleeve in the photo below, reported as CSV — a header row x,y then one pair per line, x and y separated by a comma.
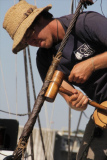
x,y
43,61
92,27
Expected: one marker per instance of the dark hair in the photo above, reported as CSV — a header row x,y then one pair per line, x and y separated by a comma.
x,y
45,15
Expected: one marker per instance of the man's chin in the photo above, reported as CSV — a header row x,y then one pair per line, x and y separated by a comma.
x,y
48,46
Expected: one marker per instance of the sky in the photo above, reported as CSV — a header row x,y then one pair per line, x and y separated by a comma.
x,y
12,75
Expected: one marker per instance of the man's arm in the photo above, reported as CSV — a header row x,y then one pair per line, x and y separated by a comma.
x,y
100,61
83,70
77,101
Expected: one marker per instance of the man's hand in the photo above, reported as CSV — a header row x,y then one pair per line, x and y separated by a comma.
x,y
81,71
78,101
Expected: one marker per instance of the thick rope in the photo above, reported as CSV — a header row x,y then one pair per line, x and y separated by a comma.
x,y
69,30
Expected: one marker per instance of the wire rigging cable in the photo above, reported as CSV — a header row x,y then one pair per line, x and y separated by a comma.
x,y
16,84
34,94
28,98
5,89
49,127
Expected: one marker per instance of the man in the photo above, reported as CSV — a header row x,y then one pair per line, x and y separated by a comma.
x,y
83,60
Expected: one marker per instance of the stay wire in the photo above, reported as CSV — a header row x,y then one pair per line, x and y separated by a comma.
x,y
34,93
69,111
69,30
4,85
76,132
28,97
101,8
15,113
16,86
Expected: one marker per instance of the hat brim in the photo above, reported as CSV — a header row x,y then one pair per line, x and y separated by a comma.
x,y
17,45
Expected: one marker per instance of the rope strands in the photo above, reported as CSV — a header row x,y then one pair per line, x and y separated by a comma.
x,y
28,98
34,93
69,30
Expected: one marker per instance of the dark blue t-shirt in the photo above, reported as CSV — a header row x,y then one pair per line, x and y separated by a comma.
x,y
88,38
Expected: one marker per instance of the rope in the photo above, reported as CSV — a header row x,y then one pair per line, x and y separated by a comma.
x,y
49,126
21,148
27,81
35,2
76,132
101,8
34,93
14,1
16,84
69,30
5,88
85,115
28,99
15,113
69,133
29,113
69,118
8,155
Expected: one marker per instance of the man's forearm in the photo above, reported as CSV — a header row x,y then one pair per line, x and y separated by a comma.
x,y
100,61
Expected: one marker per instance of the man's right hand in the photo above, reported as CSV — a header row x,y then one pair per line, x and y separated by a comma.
x,y
77,100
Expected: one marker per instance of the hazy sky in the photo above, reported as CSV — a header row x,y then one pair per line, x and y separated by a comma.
x,y
12,75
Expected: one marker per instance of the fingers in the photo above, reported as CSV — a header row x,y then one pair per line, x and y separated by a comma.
x,y
71,77
74,91
76,79
79,100
82,103
81,71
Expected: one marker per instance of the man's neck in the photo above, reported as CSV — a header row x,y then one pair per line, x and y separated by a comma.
x,y
61,32
57,30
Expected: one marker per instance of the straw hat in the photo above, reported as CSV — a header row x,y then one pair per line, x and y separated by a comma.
x,y
18,19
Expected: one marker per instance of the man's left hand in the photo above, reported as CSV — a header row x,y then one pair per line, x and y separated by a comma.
x,y
81,72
